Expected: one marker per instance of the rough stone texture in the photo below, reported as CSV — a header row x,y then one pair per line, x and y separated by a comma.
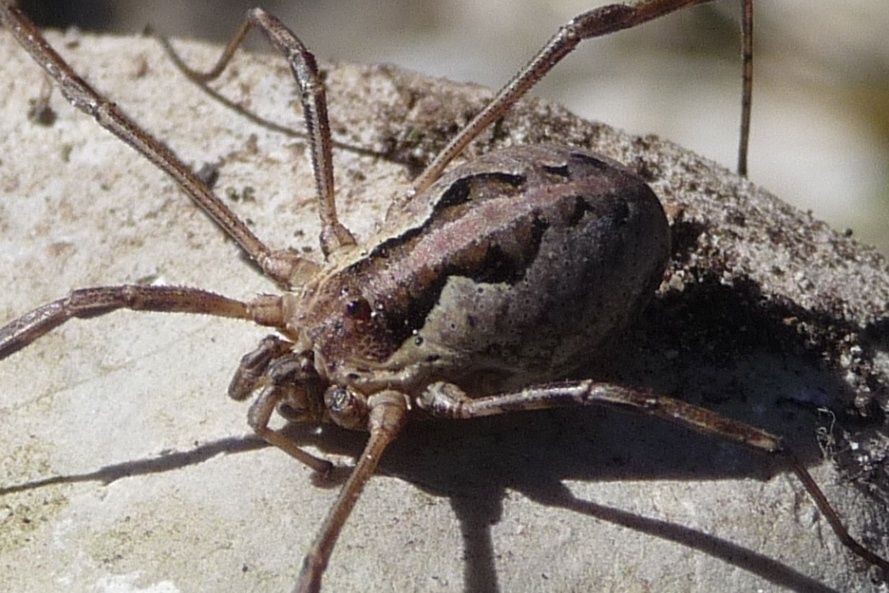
x,y
123,468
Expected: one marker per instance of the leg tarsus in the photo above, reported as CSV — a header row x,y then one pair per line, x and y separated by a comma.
x,y
448,401
388,411
593,23
221,63
108,115
334,235
831,515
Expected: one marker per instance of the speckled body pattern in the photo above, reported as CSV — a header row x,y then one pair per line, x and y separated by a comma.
x,y
486,288
515,266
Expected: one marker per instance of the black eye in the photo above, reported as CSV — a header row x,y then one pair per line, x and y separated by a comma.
x,y
358,309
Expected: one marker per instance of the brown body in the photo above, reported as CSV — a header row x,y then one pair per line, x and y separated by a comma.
x,y
469,288
515,267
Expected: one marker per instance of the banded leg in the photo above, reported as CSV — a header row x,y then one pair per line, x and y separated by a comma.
x,y
281,265
388,411
448,401
594,23
314,102
92,302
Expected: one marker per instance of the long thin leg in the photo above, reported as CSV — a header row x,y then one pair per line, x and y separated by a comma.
x,y
448,401
388,411
279,265
312,94
594,23
92,302
747,77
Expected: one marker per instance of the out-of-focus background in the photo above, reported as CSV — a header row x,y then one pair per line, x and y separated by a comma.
x,y
821,99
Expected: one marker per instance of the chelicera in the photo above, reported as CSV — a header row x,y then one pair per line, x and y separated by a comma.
x,y
505,272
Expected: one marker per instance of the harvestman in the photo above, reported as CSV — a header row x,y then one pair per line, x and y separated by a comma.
x,y
356,332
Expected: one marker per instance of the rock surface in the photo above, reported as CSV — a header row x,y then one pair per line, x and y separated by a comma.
x,y
124,468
